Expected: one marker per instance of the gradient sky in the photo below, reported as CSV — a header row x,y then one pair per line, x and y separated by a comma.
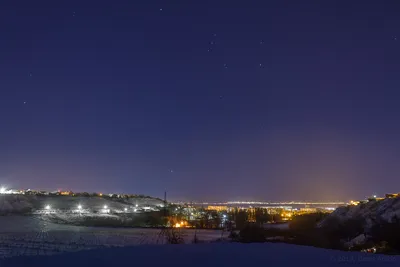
x,y
209,100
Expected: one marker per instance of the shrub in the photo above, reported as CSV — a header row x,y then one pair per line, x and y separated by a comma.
x,y
306,221
388,232
173,236
252,233
234,236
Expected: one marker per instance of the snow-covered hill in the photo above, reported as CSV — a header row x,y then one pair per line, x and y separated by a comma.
x,y
217,254
27,203
372,212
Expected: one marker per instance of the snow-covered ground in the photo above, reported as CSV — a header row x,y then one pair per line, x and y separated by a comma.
x,y
214,254
29,235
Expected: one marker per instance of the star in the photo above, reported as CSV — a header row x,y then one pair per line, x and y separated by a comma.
x,y
161,9
212,42
395,38
171,171
73,14
261,42
209,50
215,35
30,74
24,102
225,66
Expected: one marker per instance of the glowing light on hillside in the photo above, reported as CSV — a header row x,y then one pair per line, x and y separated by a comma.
x,y
79,207
177,225
47,207
105,206
125,209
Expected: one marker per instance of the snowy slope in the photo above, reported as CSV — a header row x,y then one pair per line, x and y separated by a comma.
x,y
216,254
372,212
26,203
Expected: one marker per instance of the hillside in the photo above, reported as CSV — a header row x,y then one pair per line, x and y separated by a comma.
x,y
375,225
30,203
372,212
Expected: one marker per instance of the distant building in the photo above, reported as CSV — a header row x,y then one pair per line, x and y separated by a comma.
x,y
218,208
392,195
307,210
66,193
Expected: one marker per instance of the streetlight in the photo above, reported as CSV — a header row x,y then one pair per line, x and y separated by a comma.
x,y
79,207
125,209
105,207
137,205
135,210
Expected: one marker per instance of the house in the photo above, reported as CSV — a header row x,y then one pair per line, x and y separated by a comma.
x,y
392,195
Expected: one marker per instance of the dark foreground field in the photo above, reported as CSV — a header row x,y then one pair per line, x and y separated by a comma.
x,y
216,254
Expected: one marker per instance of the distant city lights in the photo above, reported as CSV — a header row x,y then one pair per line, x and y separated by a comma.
x,y
79,207
47,207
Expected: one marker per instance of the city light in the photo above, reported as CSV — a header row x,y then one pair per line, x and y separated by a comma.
x,y
135,210
47,207
2,190
137,205
105,207
79,207
177,225
125,209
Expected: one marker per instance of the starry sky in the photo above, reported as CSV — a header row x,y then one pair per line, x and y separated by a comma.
x,y
210,100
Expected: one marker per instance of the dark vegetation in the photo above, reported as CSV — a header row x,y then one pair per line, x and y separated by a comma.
x,y
387,235
303,230
383,236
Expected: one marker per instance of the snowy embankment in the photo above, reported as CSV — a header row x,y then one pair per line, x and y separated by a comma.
x,y
216,254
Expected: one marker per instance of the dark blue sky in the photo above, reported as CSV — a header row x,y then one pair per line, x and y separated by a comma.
x,y
147,96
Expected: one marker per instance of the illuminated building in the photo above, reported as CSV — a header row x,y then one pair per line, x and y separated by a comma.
x,y
354,203
66,193
307,210
218,208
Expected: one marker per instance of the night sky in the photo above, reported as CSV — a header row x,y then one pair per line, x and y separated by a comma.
x,y
209,100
